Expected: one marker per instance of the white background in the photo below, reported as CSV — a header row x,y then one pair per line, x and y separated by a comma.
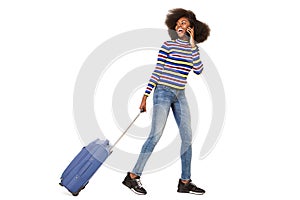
x,y
254,45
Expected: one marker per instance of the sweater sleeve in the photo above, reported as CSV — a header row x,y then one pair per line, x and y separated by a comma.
x,y
155,76
197,63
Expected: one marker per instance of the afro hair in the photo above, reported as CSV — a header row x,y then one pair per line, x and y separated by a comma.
x,y
201,30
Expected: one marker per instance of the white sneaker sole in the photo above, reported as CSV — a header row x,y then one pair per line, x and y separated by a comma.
x,y
197,193
136,192
191,192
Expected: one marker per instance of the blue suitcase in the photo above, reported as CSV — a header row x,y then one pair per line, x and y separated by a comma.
x,y
81,169
78,173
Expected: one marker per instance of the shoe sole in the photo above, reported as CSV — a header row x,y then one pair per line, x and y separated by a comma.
x,y
191,192
131,188
136,192
196,193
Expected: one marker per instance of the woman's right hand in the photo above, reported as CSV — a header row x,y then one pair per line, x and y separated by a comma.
x,y
143,104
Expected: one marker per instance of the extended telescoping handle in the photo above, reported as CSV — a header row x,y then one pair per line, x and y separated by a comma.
x,y
125,130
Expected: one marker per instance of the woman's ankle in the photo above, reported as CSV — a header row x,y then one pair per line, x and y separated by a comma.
x,y
132,175
185,181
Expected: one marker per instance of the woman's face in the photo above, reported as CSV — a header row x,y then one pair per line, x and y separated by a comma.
x,y
181,26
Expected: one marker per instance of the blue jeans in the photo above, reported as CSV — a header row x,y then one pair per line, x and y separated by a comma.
x,y
164,98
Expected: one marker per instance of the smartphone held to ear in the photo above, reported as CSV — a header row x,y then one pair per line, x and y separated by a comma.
x,y
188,30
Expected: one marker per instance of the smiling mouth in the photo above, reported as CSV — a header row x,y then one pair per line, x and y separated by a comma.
x,y
180,30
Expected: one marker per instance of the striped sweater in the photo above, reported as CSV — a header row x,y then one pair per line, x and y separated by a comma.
x,y
175,60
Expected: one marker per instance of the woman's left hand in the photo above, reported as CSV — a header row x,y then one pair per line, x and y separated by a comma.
x,y
191,32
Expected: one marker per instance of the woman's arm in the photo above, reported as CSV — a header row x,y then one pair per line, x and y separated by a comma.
x,y
155,76
197,63
161,59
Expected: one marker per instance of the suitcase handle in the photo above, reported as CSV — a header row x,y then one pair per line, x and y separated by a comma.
x,y
110,150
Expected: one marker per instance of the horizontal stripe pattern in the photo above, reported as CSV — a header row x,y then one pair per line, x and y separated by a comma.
x,y
175,60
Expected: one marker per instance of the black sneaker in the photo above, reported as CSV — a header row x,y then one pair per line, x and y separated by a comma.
x,y
189,188
134,184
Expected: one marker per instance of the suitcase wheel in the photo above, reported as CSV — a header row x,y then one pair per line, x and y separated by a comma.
x,y
77,193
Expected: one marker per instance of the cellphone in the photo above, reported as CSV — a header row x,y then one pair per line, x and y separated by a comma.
x,y
188,32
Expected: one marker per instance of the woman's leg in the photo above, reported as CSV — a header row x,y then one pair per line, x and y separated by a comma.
x,y
183,119
161,107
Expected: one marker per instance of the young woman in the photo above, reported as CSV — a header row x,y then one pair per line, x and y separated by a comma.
x,y
176,58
